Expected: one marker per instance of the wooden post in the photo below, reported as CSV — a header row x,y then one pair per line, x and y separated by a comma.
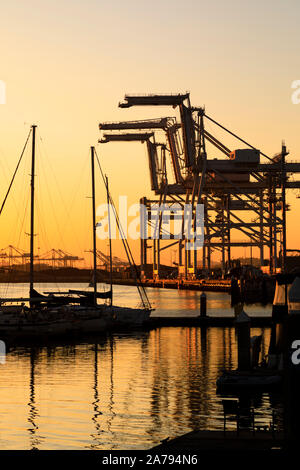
x,y
242,325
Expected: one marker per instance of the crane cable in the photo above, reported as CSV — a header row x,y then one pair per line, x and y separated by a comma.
x,y
236,136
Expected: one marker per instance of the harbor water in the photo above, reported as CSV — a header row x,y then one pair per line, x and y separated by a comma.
x,y
128,390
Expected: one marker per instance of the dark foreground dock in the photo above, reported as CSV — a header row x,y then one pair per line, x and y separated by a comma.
x,y
157,322
219,441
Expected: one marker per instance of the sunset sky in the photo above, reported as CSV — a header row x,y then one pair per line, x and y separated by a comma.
x,y
68,63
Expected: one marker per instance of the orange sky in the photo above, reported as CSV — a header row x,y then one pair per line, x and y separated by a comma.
x,y
67,64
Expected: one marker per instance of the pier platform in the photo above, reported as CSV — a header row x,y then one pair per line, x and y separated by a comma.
x,y
252,291
219,285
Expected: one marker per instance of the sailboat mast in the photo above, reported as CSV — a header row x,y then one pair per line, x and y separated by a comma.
x,y
32,211
94,225
109,232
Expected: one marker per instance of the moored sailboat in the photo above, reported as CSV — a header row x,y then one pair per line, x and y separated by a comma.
x,y
116,316
64,313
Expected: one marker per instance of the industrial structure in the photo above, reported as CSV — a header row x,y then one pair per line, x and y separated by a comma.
x,y
117,263
243,192
11,256
56,258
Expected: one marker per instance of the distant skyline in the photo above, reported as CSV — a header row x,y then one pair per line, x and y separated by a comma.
x,y
67,64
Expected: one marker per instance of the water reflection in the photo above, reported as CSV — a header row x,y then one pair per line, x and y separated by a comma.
x,y
111,394
128,391
33,414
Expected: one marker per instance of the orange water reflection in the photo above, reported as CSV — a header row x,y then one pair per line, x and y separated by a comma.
x,y
127,391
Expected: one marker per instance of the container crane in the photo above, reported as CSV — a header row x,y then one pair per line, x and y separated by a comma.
x,y
116,262
188,130
246,180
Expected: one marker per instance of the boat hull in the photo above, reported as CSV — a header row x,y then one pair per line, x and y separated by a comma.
x,y
128,317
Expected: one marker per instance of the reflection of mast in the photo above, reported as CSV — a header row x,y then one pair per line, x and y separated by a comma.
x,y
96,401
33,413
111,399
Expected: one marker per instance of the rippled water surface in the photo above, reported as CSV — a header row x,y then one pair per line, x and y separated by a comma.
x,y
125,391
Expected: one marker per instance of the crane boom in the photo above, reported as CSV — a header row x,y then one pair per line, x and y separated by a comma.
x,y
187,123
159,123
151,147
126,137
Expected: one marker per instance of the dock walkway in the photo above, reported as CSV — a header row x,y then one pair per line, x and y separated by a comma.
x,y
219,441
157,322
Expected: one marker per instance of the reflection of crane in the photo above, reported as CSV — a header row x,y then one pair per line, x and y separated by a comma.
x,y
57,257
116,262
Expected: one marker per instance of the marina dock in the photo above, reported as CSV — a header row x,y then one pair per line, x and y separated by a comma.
x,y
208,321
218,285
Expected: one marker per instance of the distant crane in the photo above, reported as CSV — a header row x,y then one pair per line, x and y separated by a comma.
x,y
60,258
116,262
57,257
157,169
11,254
